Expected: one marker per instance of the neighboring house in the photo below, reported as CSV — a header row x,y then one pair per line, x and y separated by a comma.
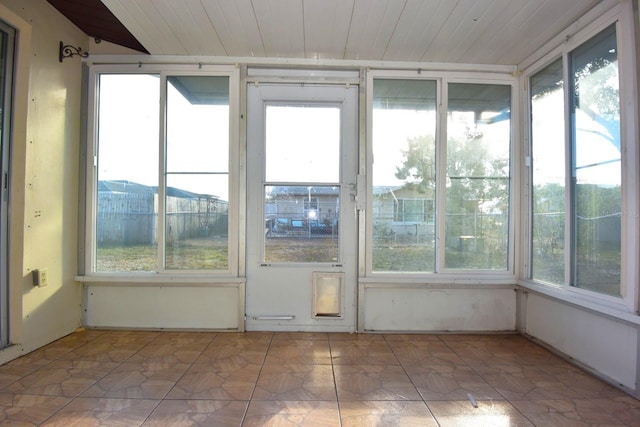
x,y
403,214
291,210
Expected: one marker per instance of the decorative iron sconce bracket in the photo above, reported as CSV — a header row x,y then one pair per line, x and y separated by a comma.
x,y
68,51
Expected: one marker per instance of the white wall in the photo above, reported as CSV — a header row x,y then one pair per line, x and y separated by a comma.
x,y
169,306
397,307
605,345
44,176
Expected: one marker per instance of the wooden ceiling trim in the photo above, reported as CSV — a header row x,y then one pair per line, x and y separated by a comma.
x,y
97,21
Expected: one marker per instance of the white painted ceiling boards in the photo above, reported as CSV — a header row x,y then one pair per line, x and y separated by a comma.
x,y
501,32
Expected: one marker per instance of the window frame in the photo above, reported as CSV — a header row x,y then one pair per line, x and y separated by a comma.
x,y
442,274
161,273
622,17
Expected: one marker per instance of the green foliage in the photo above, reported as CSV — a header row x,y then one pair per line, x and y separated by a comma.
x,y
419,166
477,202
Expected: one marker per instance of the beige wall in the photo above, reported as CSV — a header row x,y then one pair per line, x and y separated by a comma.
x,y
44,176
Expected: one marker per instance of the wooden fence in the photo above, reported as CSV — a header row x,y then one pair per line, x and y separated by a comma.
x,y
130,218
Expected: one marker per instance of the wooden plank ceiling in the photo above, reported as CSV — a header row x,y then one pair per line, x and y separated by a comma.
x,y
502,32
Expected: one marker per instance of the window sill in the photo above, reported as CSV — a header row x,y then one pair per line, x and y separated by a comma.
x,y
439,282
604,306
159,279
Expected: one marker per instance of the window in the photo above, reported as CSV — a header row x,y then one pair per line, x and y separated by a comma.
x,y
162,204
477,192
414,210
593,217
596,173
410,152
404,174
548,174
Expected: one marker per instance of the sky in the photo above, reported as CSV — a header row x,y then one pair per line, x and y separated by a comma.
x,y
303,144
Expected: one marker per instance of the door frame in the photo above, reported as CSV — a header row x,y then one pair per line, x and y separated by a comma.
x,y
349,101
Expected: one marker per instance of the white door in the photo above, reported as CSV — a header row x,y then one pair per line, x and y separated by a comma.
x,y
301,215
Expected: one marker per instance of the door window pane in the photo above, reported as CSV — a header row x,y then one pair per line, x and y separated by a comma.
x,y
126,216
302,146
301,223
302,143
596,167
197,181
548,163
404,175
477,188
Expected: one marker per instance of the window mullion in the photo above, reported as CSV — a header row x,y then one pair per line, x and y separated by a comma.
x,y
569,181
441,172
162,174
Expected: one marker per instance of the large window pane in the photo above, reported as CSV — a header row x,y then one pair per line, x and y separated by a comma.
x,y
404,175
126,217
197,182
548,163
197,222
596,164
477,193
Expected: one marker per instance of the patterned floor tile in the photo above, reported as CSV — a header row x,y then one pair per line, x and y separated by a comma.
x,y
450,382
373,382
28,410
362,352
291,413
194,413
98,412
524,382
295,382
299,352
387,413
147,380
424,353
168,353
561,412
490,413
62,378
206,381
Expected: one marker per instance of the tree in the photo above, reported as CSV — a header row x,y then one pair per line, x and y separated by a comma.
x,y
477,193
419,166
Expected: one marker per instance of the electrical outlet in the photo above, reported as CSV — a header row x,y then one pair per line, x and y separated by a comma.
x,y
40,277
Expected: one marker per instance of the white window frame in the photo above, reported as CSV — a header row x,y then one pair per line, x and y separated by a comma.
x,y
161,274
442,275
622,15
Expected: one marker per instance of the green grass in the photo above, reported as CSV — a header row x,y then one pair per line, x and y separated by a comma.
x,y
315,249
403,257
192,254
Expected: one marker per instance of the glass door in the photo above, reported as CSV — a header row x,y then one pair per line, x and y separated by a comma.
x,y
7,40
301,233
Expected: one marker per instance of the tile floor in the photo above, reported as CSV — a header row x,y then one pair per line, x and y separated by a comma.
x,y
135,378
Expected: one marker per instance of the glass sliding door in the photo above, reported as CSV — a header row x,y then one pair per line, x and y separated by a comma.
x,y
7,42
